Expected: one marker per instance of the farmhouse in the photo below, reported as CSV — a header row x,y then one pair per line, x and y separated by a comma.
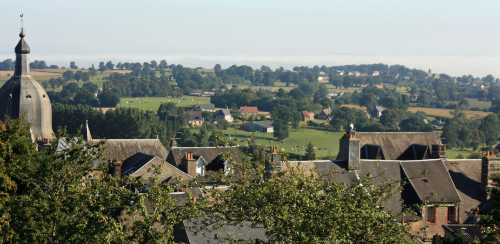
x,y
194,118
307,116
249,111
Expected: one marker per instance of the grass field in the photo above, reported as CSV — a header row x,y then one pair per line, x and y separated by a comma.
x,y
325,142
153,103
448,113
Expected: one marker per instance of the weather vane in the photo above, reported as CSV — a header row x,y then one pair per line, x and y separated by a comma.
x,y
22,21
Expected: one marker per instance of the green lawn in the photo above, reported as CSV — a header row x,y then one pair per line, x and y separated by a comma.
x,y
459,153
153,103
325,142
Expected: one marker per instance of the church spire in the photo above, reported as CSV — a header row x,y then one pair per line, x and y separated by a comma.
x,y
22,50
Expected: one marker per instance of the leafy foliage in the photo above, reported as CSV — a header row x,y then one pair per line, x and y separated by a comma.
x,y
50,197
294,208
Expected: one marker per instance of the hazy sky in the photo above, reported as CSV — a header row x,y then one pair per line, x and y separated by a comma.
x,y
455,36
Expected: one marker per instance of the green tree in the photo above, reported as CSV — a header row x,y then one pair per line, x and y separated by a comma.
x,y
108,98
490,220
281,117
390,119
310,152
294,208
415,123
61,197
490,129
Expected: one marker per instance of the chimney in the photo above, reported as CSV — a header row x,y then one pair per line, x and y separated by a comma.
x,y
354,154
117,168
275,163
489,167
190,164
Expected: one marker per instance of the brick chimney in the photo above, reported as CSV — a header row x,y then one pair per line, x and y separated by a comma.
x,y
490,167
190,164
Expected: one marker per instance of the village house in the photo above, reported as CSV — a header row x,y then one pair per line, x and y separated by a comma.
x,y
413,168
249,111
194,118
325,114
197,161
307,116
323,78
224,114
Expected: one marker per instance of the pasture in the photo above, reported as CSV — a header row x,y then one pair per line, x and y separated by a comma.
x,y
326,143
447,113
153,103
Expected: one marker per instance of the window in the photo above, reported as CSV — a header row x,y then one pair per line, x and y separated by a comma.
x,y
28,96
431,214
452,215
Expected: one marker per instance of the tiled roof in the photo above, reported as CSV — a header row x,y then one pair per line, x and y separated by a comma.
x,y
249,109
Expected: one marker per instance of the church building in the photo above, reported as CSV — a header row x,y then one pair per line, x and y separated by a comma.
x,y
23,97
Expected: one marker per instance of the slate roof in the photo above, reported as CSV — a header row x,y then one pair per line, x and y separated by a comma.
x,y
393,144
209,231
194,115
147,166
133,163
176,154
224,112
328,170
122,149
387,174
466,174
431,181
381,173
22,46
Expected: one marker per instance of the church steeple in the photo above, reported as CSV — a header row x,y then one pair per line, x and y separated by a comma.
x,y
23,97
22,50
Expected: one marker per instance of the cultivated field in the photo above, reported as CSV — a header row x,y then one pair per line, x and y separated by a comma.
x,y
153,103
39,75
325,142
448,113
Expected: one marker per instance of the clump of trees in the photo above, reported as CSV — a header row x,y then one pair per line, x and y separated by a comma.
x,y
490,220
49,197
461,132
294,208
118,123
86,94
